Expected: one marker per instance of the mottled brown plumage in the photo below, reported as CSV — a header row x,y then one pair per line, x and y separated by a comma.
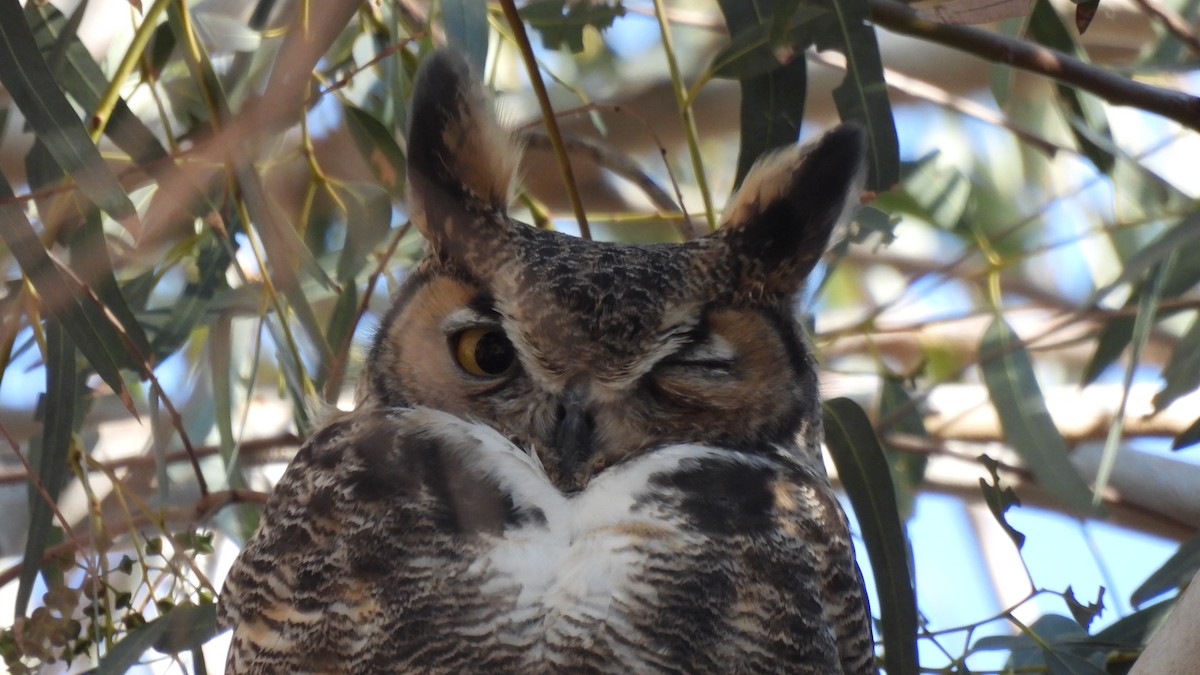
x,y
570,456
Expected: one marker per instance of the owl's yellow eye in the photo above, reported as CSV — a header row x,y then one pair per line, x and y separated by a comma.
x,y
483,352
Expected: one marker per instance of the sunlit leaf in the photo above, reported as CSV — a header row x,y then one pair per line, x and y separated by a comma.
x,y
1028,428
101,341
84,81
559,23
1144,320
1046,27
931,190
368,215
1181,374
27,78
864,472
1178,237
761,46
378,147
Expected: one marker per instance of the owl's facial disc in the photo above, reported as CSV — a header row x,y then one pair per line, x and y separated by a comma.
x,y
589,353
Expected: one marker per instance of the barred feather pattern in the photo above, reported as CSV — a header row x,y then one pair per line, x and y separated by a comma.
x,y
407,540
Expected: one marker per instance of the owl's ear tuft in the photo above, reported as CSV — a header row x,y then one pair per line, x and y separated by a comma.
x,y
778,224
461,163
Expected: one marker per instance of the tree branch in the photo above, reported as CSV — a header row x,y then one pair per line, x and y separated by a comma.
x,y
1116,89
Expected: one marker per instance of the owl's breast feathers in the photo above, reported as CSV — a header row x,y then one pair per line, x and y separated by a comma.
x,y
413,541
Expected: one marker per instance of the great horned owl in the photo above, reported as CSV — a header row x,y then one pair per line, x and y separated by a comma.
x,y
570,456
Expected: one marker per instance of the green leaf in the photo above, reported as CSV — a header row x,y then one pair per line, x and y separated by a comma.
x,y
1110,343
1065,663
1133,632
211,260
864,472
368,216
1028,428
1177,571
907,468
863,96
1181,374
97,336
748,54
773,90
466,25
187,625
559,24
378,147
760,46
1178,237
1084,110
181,628
84,81
60,411
939,193
28,79
1189,436
1056,648
771,110
1147,310
220,352
1000,500
1084,614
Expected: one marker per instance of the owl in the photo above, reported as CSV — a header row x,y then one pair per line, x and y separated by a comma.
x,y
570,456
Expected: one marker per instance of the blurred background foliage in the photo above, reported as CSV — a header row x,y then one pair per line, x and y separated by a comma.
x,y
202,212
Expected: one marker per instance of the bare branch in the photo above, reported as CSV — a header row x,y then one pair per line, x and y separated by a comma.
x,y
1116,89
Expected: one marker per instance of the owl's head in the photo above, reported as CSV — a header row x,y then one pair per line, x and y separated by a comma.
x,y
588,353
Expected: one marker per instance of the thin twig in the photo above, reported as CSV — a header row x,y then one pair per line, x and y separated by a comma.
x,y
604,156
252,447
685,114
1173,22
539,89
203,509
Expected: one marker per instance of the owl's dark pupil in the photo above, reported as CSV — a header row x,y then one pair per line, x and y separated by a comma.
x,y
493,353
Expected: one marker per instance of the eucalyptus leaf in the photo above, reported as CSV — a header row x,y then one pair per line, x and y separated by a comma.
x,y
561,24
863,95
864,472
60,408
1046,27
1176,572
27,77
1028,428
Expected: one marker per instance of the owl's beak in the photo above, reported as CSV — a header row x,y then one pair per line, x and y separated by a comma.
x,y
573,436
